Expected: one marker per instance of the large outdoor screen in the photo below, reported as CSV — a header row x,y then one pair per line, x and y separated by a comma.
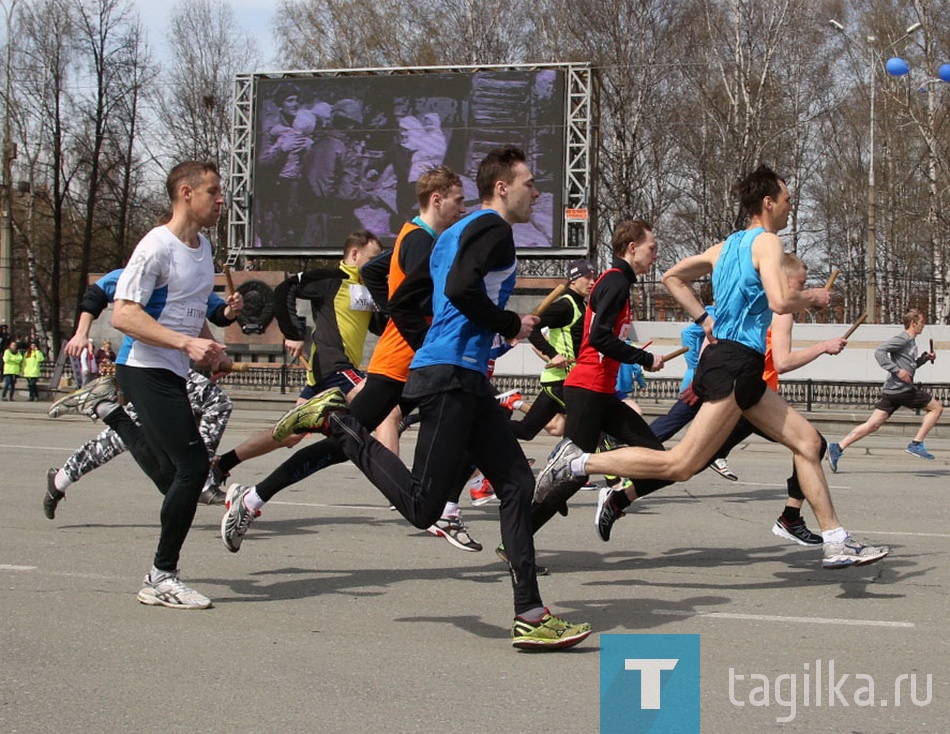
x,y
336,153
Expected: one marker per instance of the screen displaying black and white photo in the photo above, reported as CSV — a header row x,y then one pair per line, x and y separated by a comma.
x,y
336,153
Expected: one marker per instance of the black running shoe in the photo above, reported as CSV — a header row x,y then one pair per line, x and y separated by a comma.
x,y
606,515
53,496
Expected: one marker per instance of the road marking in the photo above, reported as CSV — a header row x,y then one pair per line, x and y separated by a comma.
x,y
782,486
10,567
34,447
776,618
915,535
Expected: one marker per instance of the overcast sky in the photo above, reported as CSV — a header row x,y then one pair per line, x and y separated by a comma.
x,y
256,16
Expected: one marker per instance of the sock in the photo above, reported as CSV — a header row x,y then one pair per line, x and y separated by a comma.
x,y
792,514
476,481
62,480
105,407
579,465
451,509
534,615
228,461
837,535
916,443
253,501
517,404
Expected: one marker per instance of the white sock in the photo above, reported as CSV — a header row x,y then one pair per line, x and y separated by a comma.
x,y
253,501
476,481
837,535
62,480
451,509
517,404
579,465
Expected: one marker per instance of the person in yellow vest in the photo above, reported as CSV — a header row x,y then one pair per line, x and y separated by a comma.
x,y
32,361
12,368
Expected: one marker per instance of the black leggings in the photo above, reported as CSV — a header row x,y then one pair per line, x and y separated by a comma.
x,y
377,398
548,405
456,428
177,450
589,414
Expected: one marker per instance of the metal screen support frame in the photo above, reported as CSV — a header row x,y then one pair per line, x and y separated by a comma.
x,y
577,233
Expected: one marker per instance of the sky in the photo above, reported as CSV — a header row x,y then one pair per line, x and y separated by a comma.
x,y
255,16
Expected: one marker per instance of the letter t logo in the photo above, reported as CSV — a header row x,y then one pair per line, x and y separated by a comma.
x,y
650,677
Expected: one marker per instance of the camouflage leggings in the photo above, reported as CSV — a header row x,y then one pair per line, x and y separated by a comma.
x,y
212,409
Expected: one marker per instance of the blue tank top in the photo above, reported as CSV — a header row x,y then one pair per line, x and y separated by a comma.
x,y
742,308
453,338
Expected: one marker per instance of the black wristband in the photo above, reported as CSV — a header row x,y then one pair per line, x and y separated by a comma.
x,y
700,319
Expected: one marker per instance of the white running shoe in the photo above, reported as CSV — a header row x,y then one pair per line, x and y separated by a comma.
x,y
167,590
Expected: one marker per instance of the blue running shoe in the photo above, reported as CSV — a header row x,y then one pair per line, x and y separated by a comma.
x,y
834,453
916,448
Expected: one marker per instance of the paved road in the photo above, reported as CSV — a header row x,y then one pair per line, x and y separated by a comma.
x,y
337,616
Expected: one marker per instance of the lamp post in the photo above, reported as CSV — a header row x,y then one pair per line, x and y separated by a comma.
x,y
875,59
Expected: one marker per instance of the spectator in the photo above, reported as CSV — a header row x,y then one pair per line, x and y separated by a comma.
x,y
88,364
12,368
105,357
32,361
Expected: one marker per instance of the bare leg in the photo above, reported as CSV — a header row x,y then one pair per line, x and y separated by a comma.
x,y
934,411
779,421
709,429
877,419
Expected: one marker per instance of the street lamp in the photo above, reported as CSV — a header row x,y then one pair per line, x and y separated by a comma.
x,y
894,69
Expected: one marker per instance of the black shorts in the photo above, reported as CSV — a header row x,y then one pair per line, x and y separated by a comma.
x,y
915,399
728,367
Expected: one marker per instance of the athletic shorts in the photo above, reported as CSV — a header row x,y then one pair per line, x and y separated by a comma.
x,y
728,367
915,399
346,380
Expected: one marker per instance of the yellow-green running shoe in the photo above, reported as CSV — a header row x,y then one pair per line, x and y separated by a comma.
x,y
550,633
310,416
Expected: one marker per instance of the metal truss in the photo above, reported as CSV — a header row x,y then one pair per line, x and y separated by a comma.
x,y
579,226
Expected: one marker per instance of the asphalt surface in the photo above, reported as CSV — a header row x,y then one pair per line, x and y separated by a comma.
x,y
338,616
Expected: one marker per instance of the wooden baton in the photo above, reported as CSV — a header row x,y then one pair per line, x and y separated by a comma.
x,y
831,279
549,299
861,319
675,353
229,280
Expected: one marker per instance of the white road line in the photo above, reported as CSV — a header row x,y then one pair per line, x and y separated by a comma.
x,y
10,567
915,535
776,618
34,448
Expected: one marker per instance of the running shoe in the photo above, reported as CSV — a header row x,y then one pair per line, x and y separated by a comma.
x,y
834,454
237,519
453,530
85,399
851,552
797,532
311,416
606,515
539,570
212,496
548,633
590,486
167,590
558,469
483,494
721,467
916,448
53,496
511,400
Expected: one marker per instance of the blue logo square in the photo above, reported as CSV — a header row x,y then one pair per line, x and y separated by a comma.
x,y
649,683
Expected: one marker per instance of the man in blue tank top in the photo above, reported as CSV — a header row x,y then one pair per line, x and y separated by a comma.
x,y
748,286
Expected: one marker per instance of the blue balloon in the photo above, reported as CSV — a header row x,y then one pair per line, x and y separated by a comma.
x,y
896,66
944,72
